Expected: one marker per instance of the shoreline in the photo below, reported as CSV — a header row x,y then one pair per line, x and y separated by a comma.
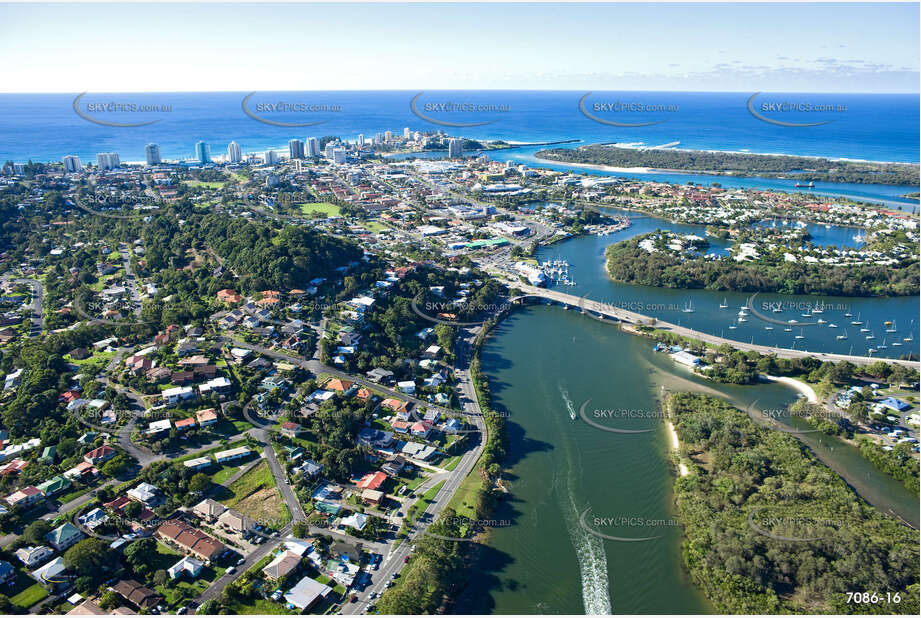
x,y
799,386
726,174
676,445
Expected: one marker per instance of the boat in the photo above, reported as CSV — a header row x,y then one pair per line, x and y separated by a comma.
x,y
870,337
857,322
883,345
788,330
848,314
821,321
743,312
909,338
808,314
865,330
800,335
732,327
832,326
805,185
819,308
891,326
768,328
897,343
742,319
724,305
859,237
688,308
777,310
842,337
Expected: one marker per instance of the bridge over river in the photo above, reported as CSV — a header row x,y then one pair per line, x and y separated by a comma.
x,y
607,310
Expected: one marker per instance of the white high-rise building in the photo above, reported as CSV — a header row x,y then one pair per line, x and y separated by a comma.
x,y
152,154
295,149
234,153
107,160
388,136
361,140
313,147
406,133
455,148
328,151
72,163
339,155
270,157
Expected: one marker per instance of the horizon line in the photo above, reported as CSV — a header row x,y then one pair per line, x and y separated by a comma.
x,y
411,90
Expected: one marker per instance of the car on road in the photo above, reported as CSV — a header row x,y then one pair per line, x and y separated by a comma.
x,y
230,570
354,598
241,561
406,559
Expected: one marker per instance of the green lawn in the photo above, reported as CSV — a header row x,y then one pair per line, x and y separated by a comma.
x,y
322,208
207,185
465,497
374,226
452,463
252,481
183,589
245,607
30,596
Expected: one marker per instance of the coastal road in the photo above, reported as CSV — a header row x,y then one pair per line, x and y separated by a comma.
x,y
394,562
608,310
37,303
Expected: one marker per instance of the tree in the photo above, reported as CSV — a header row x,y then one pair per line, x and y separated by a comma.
x,y
90,557
34,534
200,482
109,600
160,577
300,529
132,509
210,607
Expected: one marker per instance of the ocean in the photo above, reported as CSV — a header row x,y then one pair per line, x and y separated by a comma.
x,y
45,127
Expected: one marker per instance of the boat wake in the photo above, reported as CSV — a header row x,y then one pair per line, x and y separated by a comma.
x,y
593,562
569,405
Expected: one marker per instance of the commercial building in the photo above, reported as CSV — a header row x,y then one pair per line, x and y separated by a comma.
x,y
202,152
152,154
72,164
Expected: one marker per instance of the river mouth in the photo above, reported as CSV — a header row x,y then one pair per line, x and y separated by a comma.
x,y
593,526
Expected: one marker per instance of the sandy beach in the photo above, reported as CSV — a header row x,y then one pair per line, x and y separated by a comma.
x,y
673,436
801,387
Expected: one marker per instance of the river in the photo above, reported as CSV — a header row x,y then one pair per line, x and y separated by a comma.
x,y
544,363
585,255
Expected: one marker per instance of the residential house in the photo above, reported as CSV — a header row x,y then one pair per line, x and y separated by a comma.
x,y
139,595
284,564
187,565
191,540
206,417
307,593
235,522
209,510
64,536
99,455
290,429
33,556
232,454
25,497
146,494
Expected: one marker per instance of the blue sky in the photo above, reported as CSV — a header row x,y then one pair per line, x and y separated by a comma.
x,y
238,47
